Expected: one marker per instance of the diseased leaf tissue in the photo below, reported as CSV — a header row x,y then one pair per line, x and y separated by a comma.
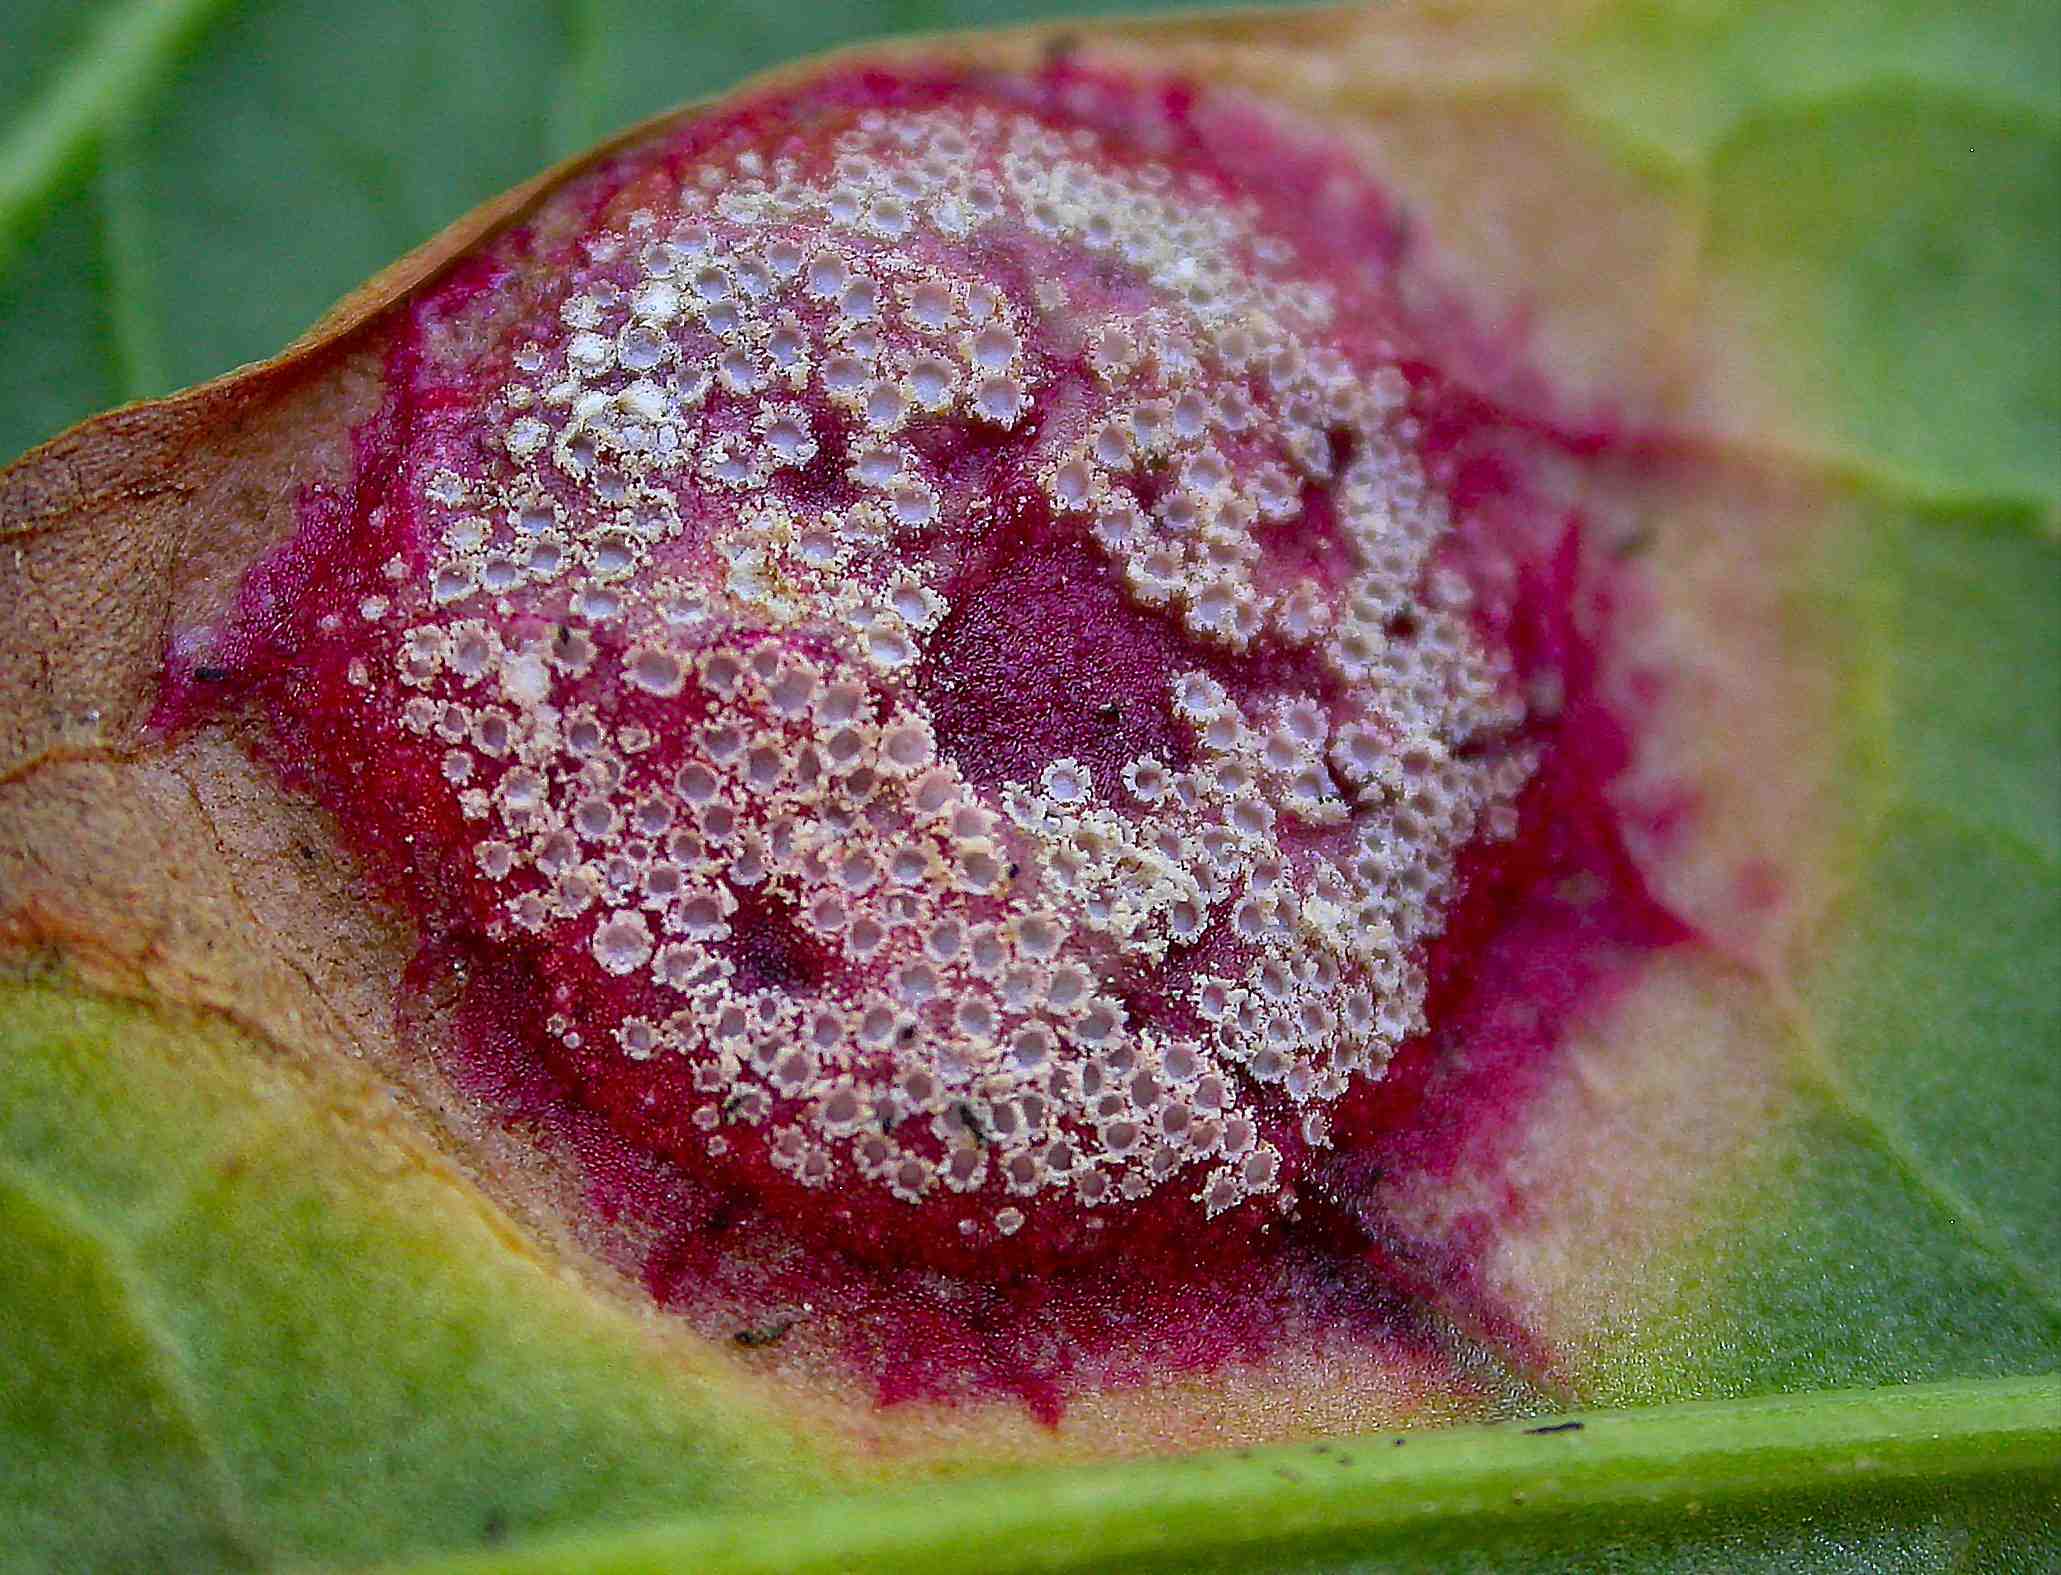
x,y
984,723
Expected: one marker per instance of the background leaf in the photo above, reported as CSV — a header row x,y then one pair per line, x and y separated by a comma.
x,y
264,158
229,1341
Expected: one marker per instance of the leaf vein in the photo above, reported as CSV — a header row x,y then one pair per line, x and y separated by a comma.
x,y
1689,1458
168,1363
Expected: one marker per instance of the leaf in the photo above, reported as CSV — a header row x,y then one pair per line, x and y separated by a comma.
x,y
1506,1494
253,1321
1807,250
1937,1019
1848,152
281,152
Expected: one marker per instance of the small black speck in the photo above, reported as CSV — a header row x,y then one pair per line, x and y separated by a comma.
x,y
494,1531
772,1334
1557,1427
1014,869
1112,713
211,675
1400,1442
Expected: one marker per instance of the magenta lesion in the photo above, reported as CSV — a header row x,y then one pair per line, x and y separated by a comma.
x,y
994,756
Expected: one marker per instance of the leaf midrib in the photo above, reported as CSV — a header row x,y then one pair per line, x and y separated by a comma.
x,y
1693,1457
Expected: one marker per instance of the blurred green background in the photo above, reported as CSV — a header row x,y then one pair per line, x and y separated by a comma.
x,y
261,157
185,185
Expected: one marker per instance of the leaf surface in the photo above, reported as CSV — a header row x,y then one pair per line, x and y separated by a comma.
x,y
252,1320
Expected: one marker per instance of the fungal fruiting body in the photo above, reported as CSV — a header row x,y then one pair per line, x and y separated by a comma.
x,y
962,701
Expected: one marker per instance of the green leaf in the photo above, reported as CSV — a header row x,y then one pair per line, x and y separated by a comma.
x,y
244,1323
1589,1491
1883,186
1912,1226
239,1352
1677,78
87,71
101,1439
1935,362
1938,1012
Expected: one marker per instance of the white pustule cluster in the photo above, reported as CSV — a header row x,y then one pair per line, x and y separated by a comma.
x,y
678,675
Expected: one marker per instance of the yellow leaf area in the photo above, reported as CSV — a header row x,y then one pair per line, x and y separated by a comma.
x,y
274,1161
